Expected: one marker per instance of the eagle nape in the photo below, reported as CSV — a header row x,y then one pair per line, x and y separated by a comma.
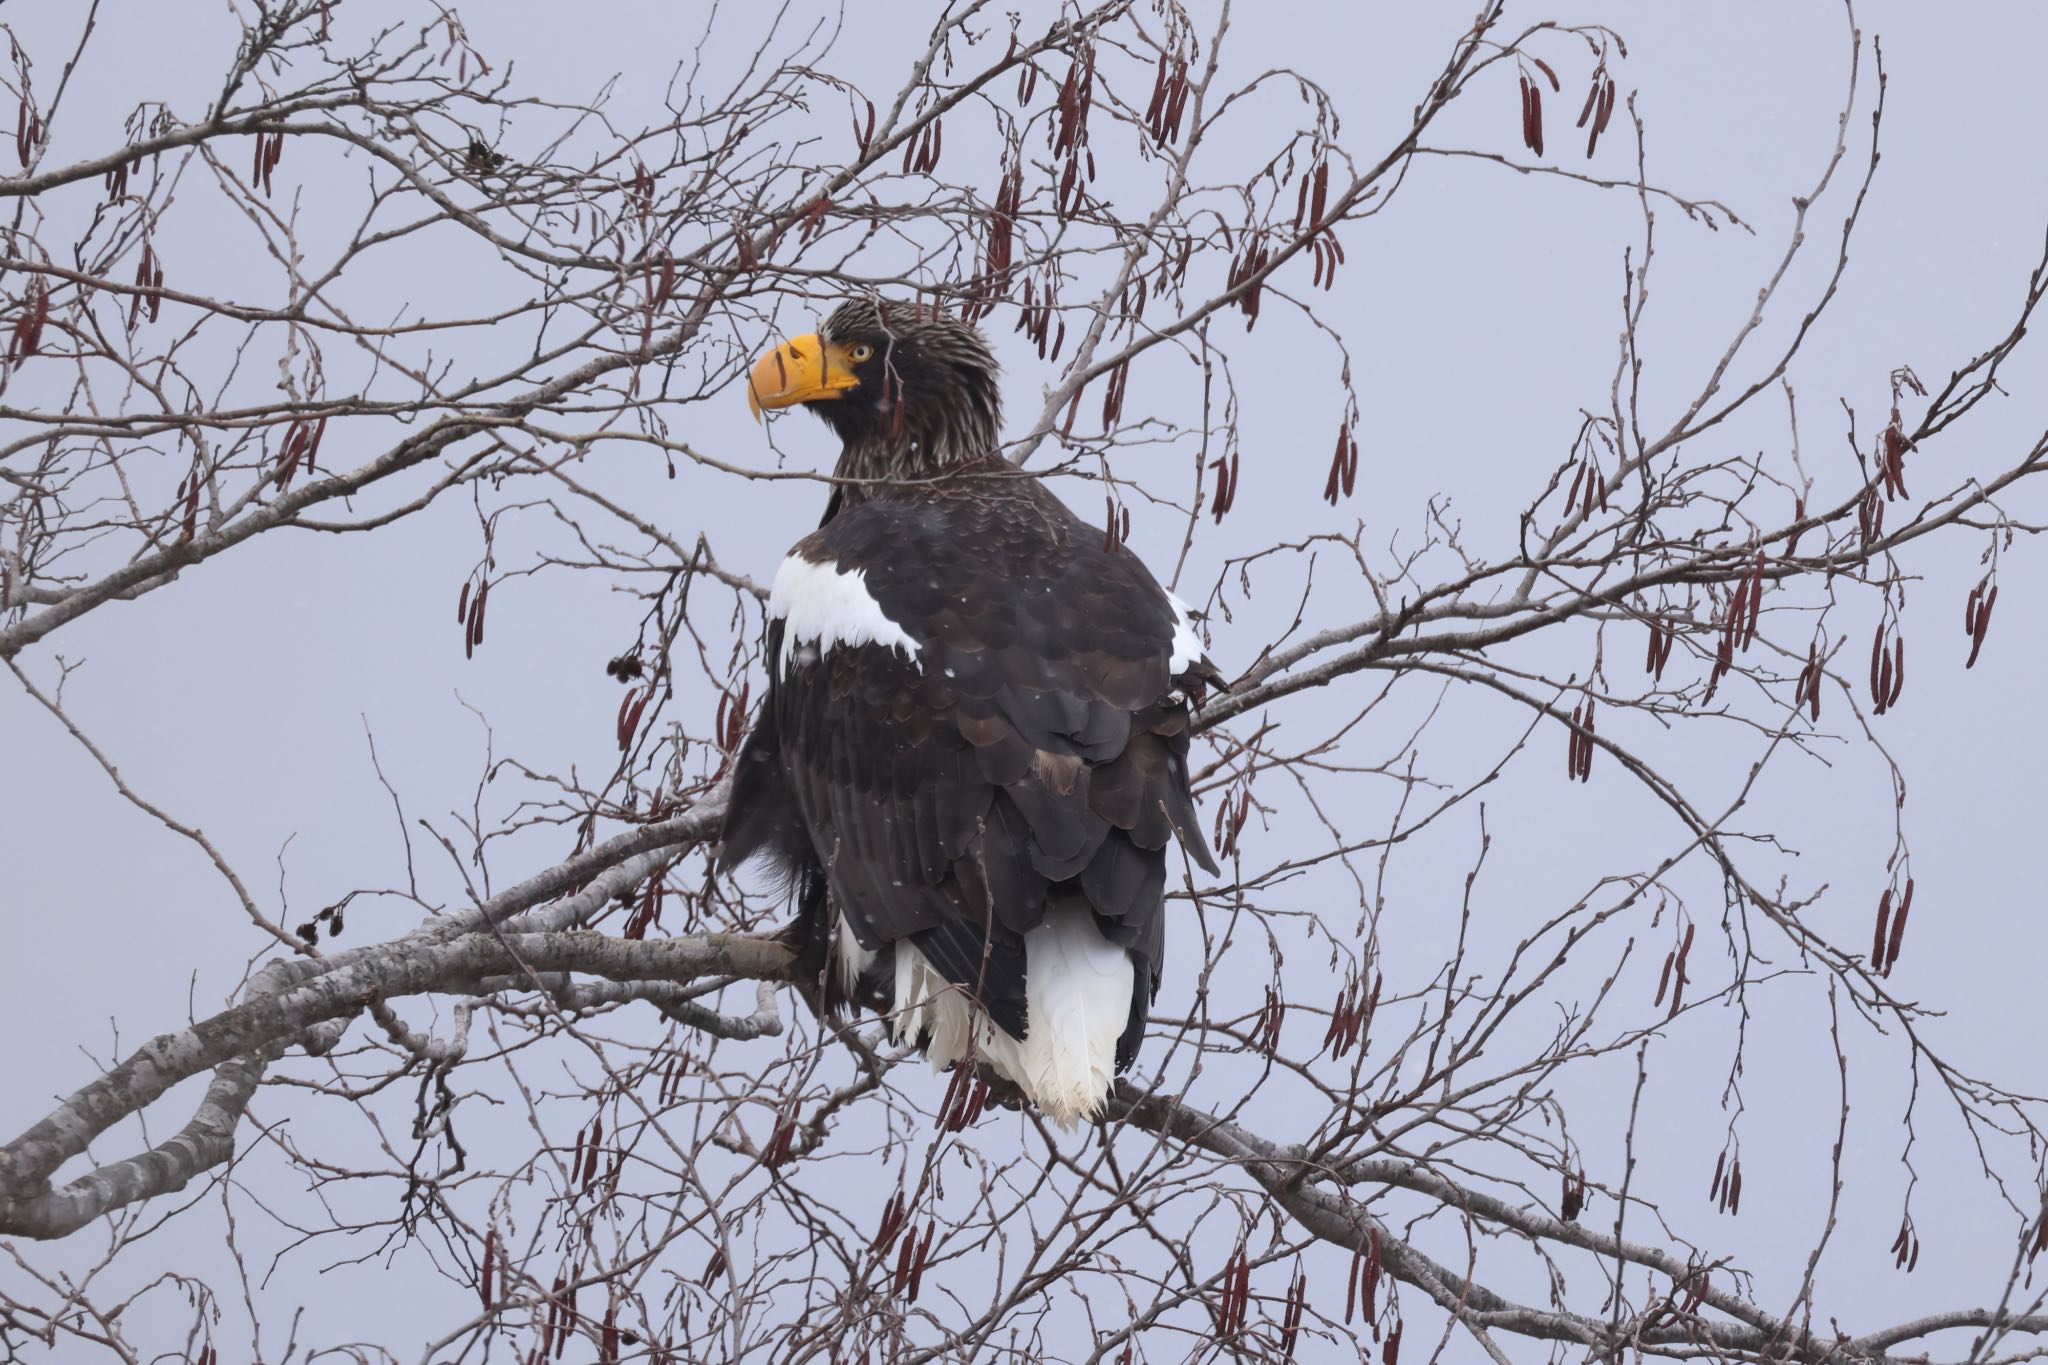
x,y
972,758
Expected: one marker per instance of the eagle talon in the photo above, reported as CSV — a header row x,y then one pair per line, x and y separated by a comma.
x,y
1003,1093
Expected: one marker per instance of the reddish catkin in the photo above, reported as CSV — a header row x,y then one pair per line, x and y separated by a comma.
x,y
1678,974
1527,89
1219,506
1880,938
1982,625
904,1253
892,1223
632,725
1369,1278
596,1137
955,1102
864,139
1241,1296
1157,104
1290,1320
619,733
1343,466
1578,480
924,1250
1891,947
483,598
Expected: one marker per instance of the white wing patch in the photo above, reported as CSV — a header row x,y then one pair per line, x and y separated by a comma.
x,y
1187,646
821,606
1077,989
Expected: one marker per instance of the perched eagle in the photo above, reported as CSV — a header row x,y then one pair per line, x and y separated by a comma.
x,y
974,750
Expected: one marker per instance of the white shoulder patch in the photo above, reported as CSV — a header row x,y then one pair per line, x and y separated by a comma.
x,y
1187,646
821,606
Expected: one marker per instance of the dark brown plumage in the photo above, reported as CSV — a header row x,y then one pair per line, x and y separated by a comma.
x,y
975,739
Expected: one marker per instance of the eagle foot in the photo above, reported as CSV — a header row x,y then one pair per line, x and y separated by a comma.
x,y
1003,1093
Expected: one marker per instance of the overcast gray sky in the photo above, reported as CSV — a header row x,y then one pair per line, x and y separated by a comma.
x,y
1481,312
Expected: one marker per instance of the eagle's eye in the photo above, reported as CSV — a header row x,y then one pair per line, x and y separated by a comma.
x,y
861,352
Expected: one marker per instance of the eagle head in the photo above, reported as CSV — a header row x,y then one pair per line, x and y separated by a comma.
x,y
902,382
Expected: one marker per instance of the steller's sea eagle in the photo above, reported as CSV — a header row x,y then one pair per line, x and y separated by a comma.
x,y
973,754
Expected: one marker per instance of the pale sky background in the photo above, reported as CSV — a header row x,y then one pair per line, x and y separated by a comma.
x,y
1481,313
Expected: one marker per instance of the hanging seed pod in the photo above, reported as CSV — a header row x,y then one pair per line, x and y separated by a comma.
x,y
1981,625
1891,949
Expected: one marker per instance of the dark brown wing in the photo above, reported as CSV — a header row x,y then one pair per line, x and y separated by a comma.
x,y
1021,740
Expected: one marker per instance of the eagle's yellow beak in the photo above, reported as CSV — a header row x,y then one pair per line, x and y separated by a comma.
x,y
801,370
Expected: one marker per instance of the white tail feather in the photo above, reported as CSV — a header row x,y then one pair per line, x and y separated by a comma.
x,y
847,955
1078,993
